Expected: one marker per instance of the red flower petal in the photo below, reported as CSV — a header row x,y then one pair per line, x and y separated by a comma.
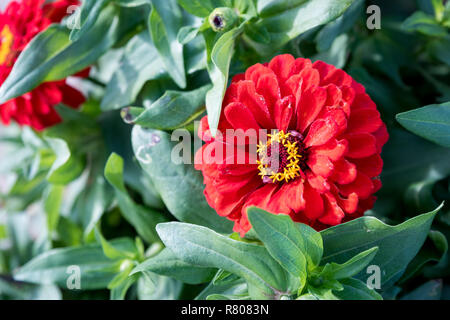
x,y
320,132
255,102
333,149
71,97
364,121
360,145
333,214
362,186
370,166
320,165
309,106
329,74
282,66
267,86
240,117
350,204
284,109
317,182
382,137
344,172
313,203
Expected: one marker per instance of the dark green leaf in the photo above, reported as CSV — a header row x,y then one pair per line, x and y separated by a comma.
x,y
164,22
200,246
435,250
430,290
423,23
218,68
180,185
202,8
283,241
332,30
173,110
289,24
236,289
167,264
142,218
66,167
397,245
140,63
355,289
152,286
186,34
430,122
351,267
53,267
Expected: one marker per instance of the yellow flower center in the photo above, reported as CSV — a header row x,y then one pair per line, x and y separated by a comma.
x,y
6,40
282,157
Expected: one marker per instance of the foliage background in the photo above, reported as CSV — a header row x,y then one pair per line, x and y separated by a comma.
x,y
63,193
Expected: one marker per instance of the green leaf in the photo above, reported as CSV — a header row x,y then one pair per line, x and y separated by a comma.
x,y
114,253
152,286
94,199
52,56
186,34
425,24
143,219
332,30
219,58
167,264
175,109
438,6
121,277
179,185
431,290
435,250
338,53
282,239
267,8
53,266
164,22
131,3
203,247
119,292
202,8
355,289
236,289
52,203
408,159
12,290
419,196
66,167
84,18
351,267
440,49
140,63
430,122
68,232
289,24
397,245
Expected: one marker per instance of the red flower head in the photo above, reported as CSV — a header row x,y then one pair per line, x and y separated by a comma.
x,y
327,142
19,23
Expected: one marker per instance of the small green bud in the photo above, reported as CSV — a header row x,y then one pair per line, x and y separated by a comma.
x,y
125,264
222,19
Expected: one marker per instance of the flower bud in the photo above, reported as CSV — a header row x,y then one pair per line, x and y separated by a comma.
x,y
222,19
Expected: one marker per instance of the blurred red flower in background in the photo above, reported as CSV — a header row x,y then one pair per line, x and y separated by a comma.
x,y
19,23
329,140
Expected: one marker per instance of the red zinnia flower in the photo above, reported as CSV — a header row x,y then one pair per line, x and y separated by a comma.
x,y
329,141
19,23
